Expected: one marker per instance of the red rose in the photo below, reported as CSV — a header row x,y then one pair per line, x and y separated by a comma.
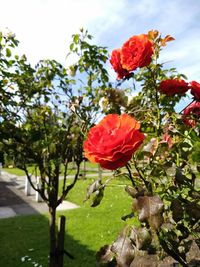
x,y
115,61
171,87
191,114
195,89
136,52
112,142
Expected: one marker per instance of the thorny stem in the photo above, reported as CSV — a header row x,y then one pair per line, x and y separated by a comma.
x,y
130,175
146,183
157,99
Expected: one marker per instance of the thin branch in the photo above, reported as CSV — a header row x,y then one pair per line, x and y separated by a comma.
x,y
65,176
69,187
29,179
33,186
141,175
130,174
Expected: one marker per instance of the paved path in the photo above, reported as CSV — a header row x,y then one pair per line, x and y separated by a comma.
x,y
13,200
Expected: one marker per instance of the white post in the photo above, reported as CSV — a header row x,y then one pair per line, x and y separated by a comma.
x,y
37,195
27,187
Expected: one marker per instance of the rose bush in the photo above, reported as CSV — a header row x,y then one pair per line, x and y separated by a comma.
x,y
112,142
162,172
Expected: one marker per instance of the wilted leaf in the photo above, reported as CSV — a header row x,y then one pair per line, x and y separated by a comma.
x,y
97,190
153,34
170,169
197,241
105,255
145,260
141,237
151,147
193,209
92,188
156,221
177,210
150,209
123,249
131,191
167,38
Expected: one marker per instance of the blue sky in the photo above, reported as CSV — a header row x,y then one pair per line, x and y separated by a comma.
x,y
44,27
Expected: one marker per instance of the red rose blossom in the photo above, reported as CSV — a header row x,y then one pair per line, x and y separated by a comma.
x,y
115,61
191,114
112,142
195,90
171,87
136,52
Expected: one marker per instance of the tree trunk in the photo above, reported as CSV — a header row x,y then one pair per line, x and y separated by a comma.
x,y
53,260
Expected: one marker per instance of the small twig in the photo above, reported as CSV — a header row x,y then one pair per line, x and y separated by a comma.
x,y
141,175
68,254
69,187
65,175
130,174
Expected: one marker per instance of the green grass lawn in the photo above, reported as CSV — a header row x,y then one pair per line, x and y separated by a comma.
x,y
17,171
87,229
90,168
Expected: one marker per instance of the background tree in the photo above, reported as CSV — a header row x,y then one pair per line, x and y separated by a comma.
x,y
39,123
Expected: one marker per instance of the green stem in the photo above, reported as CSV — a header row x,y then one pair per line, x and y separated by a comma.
x,y
154,85
177,160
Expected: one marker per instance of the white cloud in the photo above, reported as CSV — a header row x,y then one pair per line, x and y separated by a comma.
x,y
44,27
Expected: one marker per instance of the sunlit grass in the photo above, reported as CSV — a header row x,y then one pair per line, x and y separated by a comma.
x,y
89,167
87,229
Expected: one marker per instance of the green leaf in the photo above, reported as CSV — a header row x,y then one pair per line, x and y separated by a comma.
x,y
8,52
71,46
76,38
98,197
